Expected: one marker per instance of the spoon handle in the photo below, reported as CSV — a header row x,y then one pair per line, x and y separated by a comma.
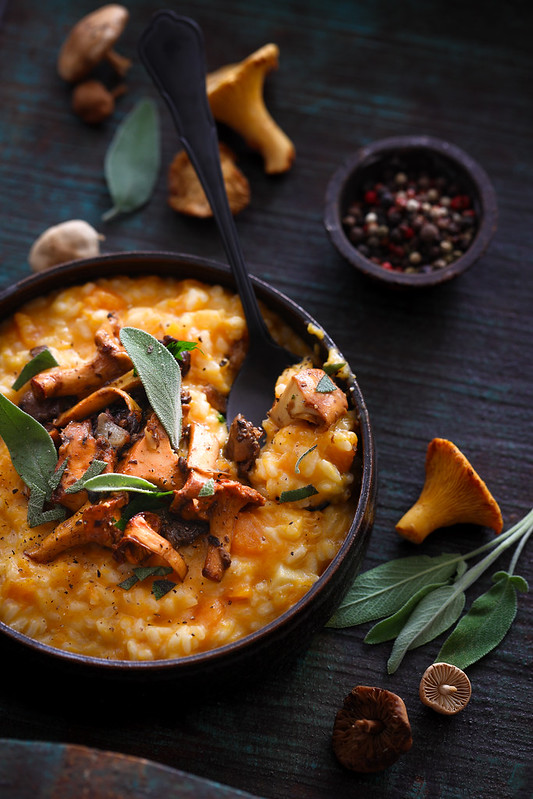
x,y
172,51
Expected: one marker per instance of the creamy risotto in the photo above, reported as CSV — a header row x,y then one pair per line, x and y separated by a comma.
x,y
234,529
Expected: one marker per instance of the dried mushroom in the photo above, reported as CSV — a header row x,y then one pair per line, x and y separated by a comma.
x,y
187,196
93,102
445,688
65,242
235,94
371,730
91,41
453,493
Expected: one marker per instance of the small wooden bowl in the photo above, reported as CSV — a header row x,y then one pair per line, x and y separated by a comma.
x,y
289,633
442,158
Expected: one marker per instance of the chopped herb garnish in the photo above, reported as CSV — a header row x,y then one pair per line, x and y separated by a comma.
x,y
325,385
162,587
208,488
141,573
333,368
176,348
43,360
221,418
129,582
297,493
300,459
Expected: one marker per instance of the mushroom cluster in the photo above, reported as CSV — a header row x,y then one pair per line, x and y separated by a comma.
x,y
90,42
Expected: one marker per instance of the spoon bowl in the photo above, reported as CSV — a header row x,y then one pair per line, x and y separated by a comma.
x,y
172,50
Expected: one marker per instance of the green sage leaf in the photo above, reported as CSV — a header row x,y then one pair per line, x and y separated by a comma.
x,y
36,513
129,582
389,628
160,375
133,159
95,468
208,488
114,481
486,623
325,385
333,368
43,360
31,448
162,587
300,459
143,572
297,494
433,615
383,590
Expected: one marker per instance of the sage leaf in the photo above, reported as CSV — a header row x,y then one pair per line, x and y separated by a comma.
x,y
162,587
43,360
433,615
300,459
298,493
208,488
143,572
389,628
385,589
115,481
160,375
333,368
133,159
95,468
36,513
31,448
486,623
325,385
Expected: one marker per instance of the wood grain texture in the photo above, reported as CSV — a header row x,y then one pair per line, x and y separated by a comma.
x,y
456,362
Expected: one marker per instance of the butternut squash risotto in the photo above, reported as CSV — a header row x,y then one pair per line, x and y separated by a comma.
x,y
134,531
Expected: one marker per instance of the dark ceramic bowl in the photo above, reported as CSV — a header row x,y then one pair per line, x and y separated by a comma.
x,y
410,153
289,633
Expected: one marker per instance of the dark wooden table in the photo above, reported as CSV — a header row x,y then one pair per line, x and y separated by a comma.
x,y
455,362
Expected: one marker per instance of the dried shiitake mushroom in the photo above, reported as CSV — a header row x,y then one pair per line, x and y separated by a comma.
x,y
371,730
187,196
453,493
91,41
445,688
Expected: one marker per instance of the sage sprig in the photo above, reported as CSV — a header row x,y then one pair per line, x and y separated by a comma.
x,y
34,457
160,375
420,603
133,159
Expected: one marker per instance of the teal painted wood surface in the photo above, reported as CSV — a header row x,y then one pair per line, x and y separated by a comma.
x,y
456,362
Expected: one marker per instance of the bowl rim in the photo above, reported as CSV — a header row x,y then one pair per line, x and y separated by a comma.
x,y
486,196
76,272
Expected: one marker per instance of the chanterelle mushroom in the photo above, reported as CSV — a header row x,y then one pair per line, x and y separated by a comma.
x,y
371,730
445,688
187,196
453,493
67,241
235,94
91,40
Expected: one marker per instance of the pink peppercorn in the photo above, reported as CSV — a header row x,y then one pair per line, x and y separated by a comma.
x,y
371,197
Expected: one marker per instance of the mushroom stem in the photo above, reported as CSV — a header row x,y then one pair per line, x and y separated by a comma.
x,y
372,726
120,63
445,690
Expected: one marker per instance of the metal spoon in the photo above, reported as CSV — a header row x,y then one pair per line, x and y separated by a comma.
x,y
172,51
